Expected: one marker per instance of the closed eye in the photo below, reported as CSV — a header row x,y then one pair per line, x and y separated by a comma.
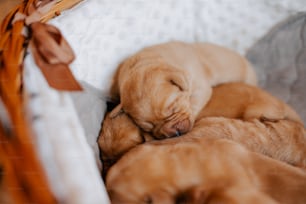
x,y
177,85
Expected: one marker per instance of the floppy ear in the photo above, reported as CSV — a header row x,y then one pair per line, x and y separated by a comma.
x,y
122,70
178,78
116,111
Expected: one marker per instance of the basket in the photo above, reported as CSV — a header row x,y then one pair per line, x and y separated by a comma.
x,y
27,172
24,179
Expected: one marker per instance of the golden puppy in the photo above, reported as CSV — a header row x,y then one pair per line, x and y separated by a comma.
x,y
240,100
192,169
284,138
164,87
200,168
118,135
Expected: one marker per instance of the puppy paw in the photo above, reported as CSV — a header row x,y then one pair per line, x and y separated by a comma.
x,y
264,112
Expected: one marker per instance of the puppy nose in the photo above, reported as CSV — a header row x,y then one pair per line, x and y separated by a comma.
x,y
179,128
182,126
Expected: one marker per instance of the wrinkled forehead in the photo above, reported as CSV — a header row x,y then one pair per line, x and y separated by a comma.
x,y
148,93
144,88
140,81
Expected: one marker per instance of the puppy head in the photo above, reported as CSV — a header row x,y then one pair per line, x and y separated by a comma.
x,y
158,99
118,135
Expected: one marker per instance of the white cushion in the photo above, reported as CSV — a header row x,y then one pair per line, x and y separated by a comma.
x,y
238,24
104,32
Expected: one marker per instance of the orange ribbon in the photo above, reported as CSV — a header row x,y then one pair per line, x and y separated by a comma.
x,y
53,55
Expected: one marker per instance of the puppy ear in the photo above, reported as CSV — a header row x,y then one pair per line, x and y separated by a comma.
x,y
178,79
116,111
123,68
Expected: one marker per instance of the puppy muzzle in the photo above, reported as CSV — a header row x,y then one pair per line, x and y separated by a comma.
x,y
177,129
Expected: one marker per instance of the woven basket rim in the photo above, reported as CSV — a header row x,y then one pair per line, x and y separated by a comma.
x,y
15,131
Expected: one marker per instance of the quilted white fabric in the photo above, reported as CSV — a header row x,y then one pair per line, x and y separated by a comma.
x,y
237,24
104,32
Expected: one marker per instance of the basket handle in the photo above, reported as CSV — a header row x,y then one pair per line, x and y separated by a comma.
x,y
15,129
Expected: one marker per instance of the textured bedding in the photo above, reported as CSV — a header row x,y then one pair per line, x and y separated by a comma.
x,y
280,61
113,30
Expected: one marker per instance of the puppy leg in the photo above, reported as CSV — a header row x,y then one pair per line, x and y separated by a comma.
x,y
264,111
273,111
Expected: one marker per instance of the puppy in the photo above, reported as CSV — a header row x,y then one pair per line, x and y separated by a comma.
x,y
164,87
118,135
192,169
240,100
283,138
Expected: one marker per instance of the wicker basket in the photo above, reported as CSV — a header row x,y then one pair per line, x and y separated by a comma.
x,y
24,178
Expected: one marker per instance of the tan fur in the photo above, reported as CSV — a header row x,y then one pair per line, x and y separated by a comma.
x,y
283,138
239,100
118,135
192,169
164,87
202,167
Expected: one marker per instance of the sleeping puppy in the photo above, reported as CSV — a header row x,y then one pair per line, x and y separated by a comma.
x,y
243,101
118,135
164,87
192,169
283,139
